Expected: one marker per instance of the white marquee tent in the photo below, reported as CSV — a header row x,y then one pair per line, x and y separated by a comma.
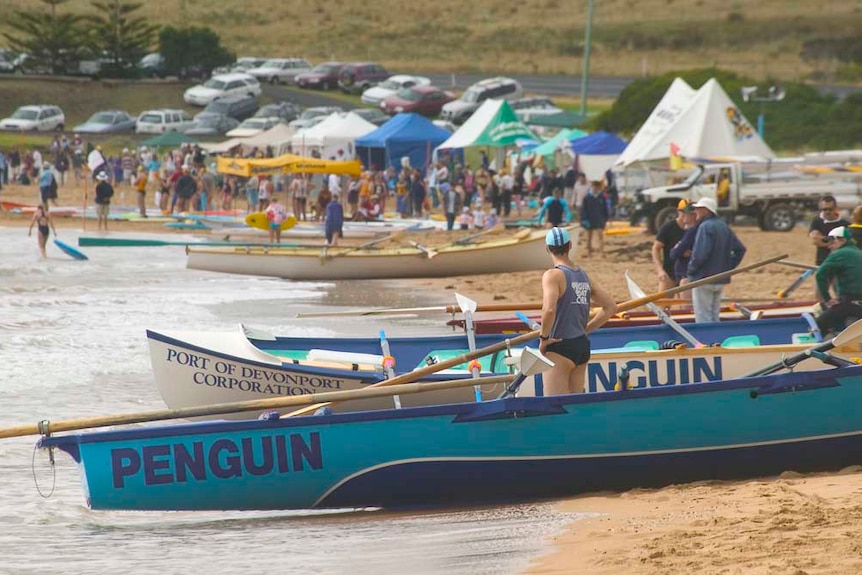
x,y
709,125
336,133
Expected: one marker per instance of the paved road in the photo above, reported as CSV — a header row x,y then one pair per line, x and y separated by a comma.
x,y
551,85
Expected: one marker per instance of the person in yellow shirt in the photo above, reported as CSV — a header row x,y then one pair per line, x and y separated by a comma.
x,y
141,187
722,189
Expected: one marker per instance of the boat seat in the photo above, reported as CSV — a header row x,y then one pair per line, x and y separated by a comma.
x,y
804,338
741,341
632,346
344,356
439,355
289,353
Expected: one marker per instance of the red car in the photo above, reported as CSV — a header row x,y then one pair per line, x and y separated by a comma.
x,y
322,77
425,100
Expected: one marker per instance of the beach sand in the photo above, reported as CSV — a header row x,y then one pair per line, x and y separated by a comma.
x,y
790,525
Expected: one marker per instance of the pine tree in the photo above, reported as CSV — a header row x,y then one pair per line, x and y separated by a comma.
x,y
119,35
53,41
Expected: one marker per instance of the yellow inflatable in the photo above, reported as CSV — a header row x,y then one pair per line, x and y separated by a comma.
x,y
258,220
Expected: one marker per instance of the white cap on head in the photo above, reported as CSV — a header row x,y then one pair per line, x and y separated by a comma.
x,y
102,177
706,203
839,232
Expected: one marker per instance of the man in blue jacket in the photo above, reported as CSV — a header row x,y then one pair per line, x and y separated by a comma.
x,y
716,250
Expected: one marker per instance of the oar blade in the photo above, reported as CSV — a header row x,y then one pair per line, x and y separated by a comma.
x,y
466,304
533,362
850,334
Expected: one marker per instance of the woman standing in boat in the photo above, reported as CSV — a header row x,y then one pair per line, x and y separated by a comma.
x,y
42,220
566,296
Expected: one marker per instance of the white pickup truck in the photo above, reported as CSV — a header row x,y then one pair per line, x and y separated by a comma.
x,y
776,202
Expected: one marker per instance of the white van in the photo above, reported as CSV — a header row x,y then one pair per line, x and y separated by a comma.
x,y
499,88
160,121
35,118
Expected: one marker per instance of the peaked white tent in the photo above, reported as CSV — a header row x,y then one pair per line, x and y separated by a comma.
x,y
710,125
336,133
670,107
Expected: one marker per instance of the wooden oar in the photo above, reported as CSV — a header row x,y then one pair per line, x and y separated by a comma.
x,y
369,392
452,309
466,357
846,337
798,265
467,239
635,291
425,250
394,235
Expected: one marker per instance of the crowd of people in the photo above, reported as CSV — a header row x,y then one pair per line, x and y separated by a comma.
x,y
698,243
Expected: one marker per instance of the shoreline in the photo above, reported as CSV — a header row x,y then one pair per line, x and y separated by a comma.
x,y
790,524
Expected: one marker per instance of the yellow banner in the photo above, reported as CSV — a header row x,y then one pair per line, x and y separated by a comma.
x,y
288,164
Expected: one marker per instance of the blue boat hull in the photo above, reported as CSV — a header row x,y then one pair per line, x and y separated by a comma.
x,y
502,450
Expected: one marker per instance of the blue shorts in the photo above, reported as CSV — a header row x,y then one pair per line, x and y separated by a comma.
x,y
274,226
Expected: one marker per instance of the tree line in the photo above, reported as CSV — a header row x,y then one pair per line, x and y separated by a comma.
x,y
113,32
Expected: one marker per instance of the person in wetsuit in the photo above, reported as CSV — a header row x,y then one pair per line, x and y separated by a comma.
x,y
43,222
566,295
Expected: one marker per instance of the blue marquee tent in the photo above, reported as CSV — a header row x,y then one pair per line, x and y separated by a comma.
x,y
408,135
598,144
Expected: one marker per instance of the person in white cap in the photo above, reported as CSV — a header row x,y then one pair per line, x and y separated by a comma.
x,y
843,269
566,295
716,249
104,193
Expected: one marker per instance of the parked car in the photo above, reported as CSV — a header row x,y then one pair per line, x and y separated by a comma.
x,y
321,77
280,70
359,76
253,126
152,66
373,115
306,119
243,64
376,94
35,118
526,108
237,107
222,86
164,120
425,100
285,110
500,88
11,62
209,124
108,122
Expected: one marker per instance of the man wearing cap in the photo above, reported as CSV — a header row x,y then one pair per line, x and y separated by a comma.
x,y
843,266
104,193
334,221
827,220
667,237
566,296
716,250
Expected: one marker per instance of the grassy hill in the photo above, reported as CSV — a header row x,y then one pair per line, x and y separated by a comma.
x,y
760,38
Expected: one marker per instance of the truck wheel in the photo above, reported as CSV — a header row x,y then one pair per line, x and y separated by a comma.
x,y
779,218
664,215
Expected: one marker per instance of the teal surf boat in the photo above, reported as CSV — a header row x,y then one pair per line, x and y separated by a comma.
x,y
507,449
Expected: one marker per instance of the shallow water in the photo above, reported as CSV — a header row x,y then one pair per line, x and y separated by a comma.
x,y
72,344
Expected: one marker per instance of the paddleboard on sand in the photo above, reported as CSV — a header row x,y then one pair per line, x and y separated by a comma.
x,y
258,220
69,250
